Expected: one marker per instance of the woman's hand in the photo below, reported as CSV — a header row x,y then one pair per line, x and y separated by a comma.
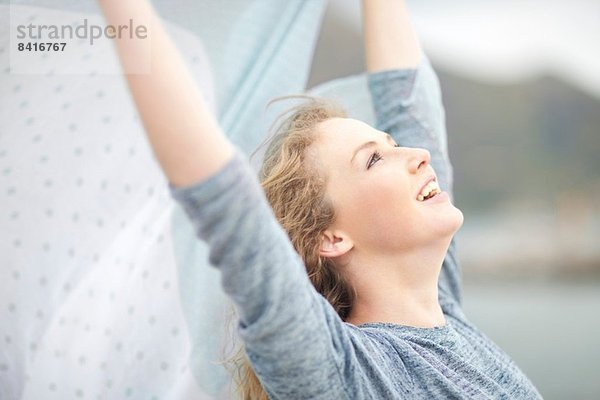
x,y
185,137
390,40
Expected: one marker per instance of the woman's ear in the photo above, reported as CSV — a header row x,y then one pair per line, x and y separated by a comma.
x,y
335,244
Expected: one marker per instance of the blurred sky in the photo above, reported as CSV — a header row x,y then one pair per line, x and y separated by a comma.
x,y
503,41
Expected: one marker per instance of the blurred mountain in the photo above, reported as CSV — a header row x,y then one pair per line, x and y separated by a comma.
x,y
534,141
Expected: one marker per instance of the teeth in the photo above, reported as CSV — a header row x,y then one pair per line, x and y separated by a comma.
x,y
431,187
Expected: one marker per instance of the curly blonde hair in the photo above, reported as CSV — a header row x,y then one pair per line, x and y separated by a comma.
x,y
295,189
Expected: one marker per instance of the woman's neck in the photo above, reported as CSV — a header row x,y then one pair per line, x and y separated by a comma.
x,y
399,288
424,312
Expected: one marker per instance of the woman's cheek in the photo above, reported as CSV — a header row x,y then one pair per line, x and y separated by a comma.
x,y
388,211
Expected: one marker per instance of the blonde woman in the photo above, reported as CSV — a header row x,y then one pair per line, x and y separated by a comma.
x,y
342,266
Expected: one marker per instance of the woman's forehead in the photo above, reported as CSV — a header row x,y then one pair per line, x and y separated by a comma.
x,y
338,139
347,130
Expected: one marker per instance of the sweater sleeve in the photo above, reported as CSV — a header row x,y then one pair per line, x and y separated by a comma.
x,y
408,106
295,340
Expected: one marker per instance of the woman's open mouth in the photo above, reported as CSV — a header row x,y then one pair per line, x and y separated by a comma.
x,y
430,190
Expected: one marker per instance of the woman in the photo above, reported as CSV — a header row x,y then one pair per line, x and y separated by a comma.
x,y
379,315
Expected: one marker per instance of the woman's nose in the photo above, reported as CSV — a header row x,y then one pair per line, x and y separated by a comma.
x,y
418,159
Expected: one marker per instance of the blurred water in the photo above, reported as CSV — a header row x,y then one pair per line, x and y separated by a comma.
x,y
550,328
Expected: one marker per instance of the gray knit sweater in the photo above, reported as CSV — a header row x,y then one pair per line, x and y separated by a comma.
x,y
297,344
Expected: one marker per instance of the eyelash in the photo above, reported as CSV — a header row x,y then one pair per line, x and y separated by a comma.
x,y
376,156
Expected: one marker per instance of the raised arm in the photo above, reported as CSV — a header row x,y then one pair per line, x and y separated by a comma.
x,y
407,99
296,342
184,136
390,40
405,89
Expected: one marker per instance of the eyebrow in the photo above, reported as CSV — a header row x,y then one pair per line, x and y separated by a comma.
x,y
368,144
362,147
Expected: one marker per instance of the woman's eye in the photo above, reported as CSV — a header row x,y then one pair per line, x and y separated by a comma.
x,y
374,158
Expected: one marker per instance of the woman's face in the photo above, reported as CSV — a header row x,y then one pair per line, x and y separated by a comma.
x,y
375,186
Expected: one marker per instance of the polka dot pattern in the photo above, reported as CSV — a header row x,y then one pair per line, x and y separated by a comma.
x,y
89,281
102,278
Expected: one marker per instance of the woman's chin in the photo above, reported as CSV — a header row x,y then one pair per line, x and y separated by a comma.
x,y
460,218
450,223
